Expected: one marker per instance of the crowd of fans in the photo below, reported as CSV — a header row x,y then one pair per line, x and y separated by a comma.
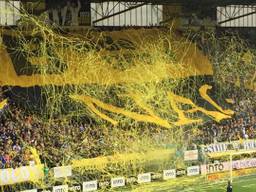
x,y
57,141
242,126
15,131
19,132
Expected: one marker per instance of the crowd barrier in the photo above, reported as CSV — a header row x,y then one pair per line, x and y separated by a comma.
x,y
229,146
212,171
122,181
22,174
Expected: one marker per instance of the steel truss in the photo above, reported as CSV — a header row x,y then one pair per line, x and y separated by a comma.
x,y
110,9
237,16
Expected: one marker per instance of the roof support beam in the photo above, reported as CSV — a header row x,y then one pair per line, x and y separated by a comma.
x,y
187,2
238,17
118,13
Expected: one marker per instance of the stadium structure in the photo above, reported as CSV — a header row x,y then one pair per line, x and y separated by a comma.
x,y
153,95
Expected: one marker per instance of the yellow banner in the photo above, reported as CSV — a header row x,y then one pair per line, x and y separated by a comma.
x,y
22,174
102,67
96,106
189,61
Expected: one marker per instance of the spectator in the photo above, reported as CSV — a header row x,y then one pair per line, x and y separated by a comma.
x,y
2,160
54,12
241,126
70,13
229,187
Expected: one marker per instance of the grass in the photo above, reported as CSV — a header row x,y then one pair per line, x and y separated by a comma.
x,y
196,184
246,184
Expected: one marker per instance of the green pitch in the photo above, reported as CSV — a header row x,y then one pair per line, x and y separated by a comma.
x,y
245,184
198,184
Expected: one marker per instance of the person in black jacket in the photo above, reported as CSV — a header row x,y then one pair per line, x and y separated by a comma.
x,y
229,187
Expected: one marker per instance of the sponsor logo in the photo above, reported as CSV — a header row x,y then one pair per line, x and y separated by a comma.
x,y
118,182
75,188
225,166
144,178
61,188
249,144
169,174
90,186
218,167
191,155
221,147
194,170
64,171
213,177
224,147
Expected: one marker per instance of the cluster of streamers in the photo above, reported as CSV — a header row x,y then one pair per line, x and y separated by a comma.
x,y
233,60
114,86
110,96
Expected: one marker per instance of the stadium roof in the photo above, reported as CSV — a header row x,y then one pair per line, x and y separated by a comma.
x,y
199,2
216,2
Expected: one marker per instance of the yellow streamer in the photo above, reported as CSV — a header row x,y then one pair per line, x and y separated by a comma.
x,y
101,163
3,104
203,92
35,155
182,119
91,102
